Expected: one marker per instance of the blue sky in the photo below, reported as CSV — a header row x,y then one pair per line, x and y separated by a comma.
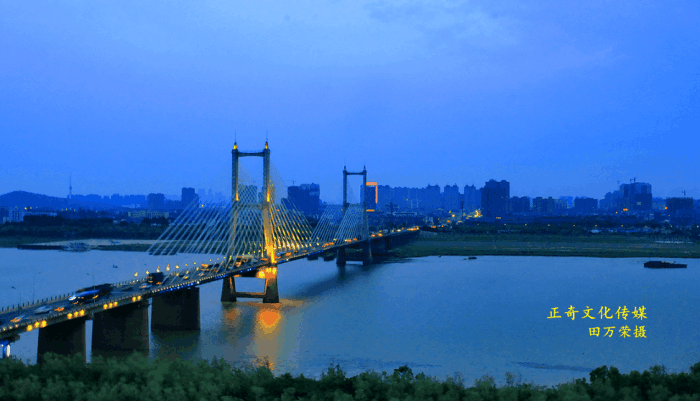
x,y
559,98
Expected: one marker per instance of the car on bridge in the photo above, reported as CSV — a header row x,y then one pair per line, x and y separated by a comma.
x,y
43,309
18,318
90,294
156,278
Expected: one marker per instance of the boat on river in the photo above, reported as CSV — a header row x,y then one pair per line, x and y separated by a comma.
x,y
655,264
76,247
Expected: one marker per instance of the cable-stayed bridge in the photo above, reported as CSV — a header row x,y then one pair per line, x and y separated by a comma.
x,y
249,235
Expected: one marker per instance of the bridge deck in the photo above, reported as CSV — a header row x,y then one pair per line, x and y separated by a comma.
x,y
59,309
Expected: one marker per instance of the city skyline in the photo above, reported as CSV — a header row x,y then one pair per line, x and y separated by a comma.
x,y
559,100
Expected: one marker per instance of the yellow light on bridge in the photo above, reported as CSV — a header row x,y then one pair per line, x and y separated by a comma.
x,y
43,323
104,306
29,328
70,316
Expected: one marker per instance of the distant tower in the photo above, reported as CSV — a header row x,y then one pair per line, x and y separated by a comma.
x,y
70,187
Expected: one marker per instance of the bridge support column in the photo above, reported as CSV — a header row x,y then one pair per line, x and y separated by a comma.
x,y
124,328
176,310
65,338
342,257
228,290
272,295
367,253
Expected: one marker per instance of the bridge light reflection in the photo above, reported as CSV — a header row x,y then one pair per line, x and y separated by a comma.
x,y
268,319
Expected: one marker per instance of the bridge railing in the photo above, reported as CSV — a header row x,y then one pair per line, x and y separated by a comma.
x,y
29,304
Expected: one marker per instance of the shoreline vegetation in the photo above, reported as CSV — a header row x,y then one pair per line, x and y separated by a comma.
x,y
137,378
599,246
461,244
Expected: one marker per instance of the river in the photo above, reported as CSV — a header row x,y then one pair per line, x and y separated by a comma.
x,y
444,316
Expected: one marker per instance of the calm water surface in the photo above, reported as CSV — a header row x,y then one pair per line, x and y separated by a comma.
x,y
439,315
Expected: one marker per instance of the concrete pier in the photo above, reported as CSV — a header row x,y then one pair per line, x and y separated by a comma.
x,y
367,253
342,257
176,310
272,295
228,290
123,328
65,338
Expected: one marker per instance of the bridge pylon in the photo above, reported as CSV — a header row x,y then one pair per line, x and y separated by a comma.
x,y
268,251
341,259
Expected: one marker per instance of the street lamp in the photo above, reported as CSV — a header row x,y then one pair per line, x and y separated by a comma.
x,y
33,281
20,296
93,278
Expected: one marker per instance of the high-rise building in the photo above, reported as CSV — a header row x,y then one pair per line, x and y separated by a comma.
x,y
305,197
404,198
385,195
520,204
188,197
673,205
371,193
429,197
569,201
585,205
451,199
472,198
156,201
542,205
636,196
495,198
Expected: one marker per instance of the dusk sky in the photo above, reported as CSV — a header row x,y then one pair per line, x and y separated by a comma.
x,y
558,98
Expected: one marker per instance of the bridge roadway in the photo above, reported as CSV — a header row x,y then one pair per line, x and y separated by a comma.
x,y
55,310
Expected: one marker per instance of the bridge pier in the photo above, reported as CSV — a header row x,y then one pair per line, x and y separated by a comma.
x,y
272,295
367,253
65,338
342,257
228,290
176,310
124,328
387,244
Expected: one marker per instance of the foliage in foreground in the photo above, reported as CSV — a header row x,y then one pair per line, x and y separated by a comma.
x,y
135,378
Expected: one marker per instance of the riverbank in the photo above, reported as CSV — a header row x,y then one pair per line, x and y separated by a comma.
x,y
610,246
438,244
38,243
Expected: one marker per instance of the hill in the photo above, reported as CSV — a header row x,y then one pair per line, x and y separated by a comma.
x,y
27,199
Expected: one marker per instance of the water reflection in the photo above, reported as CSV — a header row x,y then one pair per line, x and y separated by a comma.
x,y
266,335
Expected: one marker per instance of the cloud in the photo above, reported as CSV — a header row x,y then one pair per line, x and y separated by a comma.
x,y
447,23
